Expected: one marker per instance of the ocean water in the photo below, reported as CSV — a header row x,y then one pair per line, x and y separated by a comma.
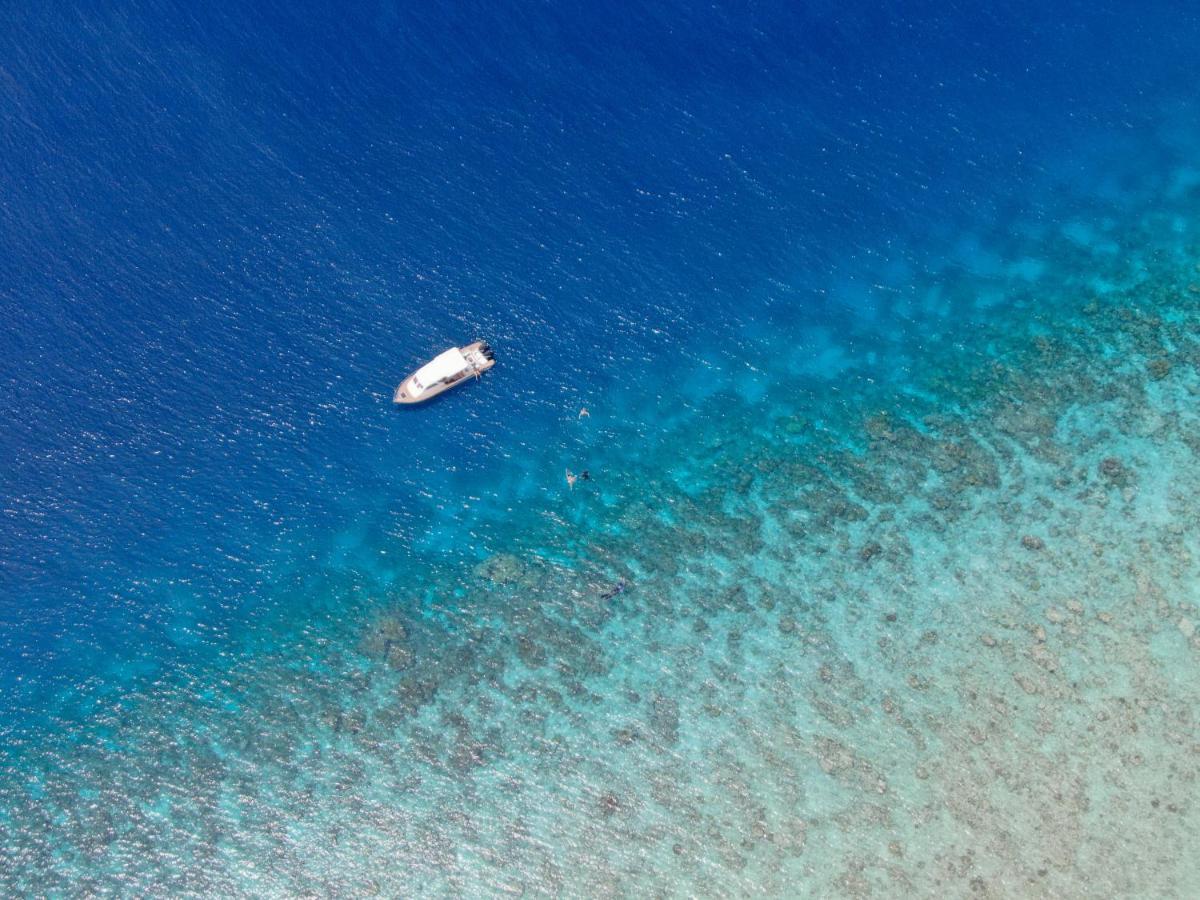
x,y
884,582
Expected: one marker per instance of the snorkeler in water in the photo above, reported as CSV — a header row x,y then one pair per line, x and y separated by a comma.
x,y
614,590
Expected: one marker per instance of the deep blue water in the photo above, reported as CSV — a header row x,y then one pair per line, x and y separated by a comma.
x,y
225,234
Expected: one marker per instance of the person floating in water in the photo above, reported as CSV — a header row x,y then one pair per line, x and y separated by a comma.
x,y
614,590
571,477
583,411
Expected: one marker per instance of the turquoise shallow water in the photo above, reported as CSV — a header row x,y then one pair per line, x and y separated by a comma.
x,y
933,636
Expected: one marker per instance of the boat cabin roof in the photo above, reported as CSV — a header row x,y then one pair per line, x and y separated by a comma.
x,y
444,365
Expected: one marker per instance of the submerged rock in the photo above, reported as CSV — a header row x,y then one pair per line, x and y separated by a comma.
x,y
530,652
1033,542
467,754
625,736
501,568
1159,368
880,427
399,657
870,551
610,804
664,718
386,639
1115,472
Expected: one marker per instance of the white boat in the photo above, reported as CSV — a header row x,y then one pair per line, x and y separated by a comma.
x,y
444,371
